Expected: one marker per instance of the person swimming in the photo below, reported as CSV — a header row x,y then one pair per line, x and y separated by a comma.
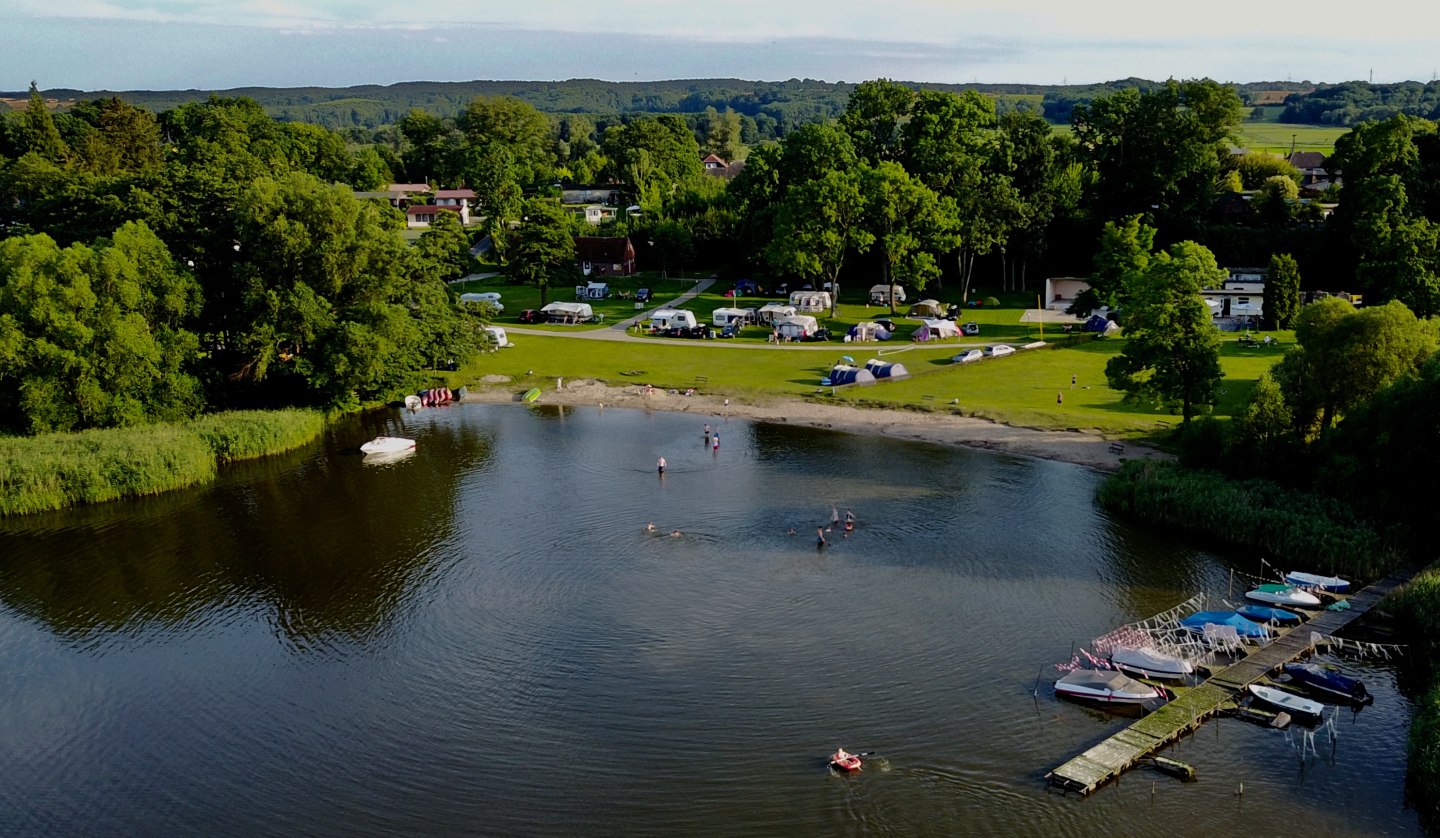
x,y
676,533
650,526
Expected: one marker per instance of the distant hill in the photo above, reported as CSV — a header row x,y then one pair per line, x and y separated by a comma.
x,y
775,107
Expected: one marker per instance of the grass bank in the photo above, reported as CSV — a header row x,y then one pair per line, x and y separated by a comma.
x,y
1295,528
1416,607
56,471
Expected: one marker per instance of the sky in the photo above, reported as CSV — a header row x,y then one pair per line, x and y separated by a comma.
x,y
221,44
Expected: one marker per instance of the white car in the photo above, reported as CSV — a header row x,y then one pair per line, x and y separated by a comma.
x,y
969,356
999,349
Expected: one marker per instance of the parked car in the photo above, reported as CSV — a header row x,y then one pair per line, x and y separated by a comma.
x,y
531,315
971,328
701,330
969,356
642,296
999,349
732,329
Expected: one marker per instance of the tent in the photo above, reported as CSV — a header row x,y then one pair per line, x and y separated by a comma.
x,y
927,308
936,330
1096,323
723,316
797,326
568,312
869,330
810,300
880,369
843,374
880,294
596,290
747,286
772,313
669,318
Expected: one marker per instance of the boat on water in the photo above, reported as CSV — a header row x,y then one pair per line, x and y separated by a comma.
x,y
1196,623
1328,680
1151,663
843,760
1287,701
387,445
531,395
1285,595
1107,686
1314,581
1268,614
412,402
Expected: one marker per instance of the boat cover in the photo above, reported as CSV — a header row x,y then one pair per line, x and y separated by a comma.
x,y
1245,628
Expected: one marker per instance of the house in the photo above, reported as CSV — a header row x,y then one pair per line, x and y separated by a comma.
x,y
605,255
596,213
1061,291
1240,299
1311,165
455,198
713,163
419,216
608,195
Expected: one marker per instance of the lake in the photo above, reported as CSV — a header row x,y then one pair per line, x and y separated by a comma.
x,y
481,638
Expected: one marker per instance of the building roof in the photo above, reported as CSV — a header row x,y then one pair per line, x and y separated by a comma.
x,y
408,187
455,193
603,249
1307,160
429,209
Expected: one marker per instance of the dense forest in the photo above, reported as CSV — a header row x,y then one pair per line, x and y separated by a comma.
x,y
1355,102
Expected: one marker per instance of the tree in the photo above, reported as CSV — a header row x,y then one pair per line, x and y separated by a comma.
x,y
721,133
671,241
653,156
818,224
1172,350
444,249
1274,199
544,251
1282,292
38,134
908,223
515,126
428,145
1255,167
873,117
1124,254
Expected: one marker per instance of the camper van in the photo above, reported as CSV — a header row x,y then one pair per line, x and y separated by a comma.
x,y
498,335
489,298
725,316
668,318
880,295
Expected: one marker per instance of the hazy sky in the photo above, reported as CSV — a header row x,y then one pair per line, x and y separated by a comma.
x,y
164,44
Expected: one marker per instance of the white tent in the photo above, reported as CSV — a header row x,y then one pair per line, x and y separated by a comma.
x,y
810,300
774,312
869,330
669,318
927,308
568,312
880,294
936,330
797,326
723,316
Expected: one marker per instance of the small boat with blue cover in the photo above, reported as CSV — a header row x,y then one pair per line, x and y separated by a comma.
x,y
1328,680
1268,614
1196,623
1314,581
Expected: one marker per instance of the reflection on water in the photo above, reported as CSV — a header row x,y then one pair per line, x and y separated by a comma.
x,y
482,638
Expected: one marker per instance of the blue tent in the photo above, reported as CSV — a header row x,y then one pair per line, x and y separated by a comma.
x,y
1196,623
843,374
880,369
1096,323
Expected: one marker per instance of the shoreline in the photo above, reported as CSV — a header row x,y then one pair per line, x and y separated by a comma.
x,y
1083,448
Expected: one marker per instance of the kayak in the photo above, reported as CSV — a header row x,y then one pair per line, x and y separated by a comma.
x,y
844,761
531,395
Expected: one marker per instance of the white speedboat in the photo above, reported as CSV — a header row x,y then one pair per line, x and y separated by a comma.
x,y
1283,595
1149,663
1287,701
1314,581
1107,686
387,445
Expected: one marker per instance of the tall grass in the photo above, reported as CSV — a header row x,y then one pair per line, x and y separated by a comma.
x,y
56,471
1416,607
1311,532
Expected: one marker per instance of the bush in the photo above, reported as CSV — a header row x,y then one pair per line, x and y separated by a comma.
x,y
1290,526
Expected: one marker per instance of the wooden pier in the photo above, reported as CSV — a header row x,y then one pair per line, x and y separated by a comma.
x,y
1108,759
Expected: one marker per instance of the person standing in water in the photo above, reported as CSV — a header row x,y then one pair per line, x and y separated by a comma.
x,y
820,536
660,465
715,441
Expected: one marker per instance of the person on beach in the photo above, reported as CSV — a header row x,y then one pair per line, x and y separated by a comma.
x,y
660,465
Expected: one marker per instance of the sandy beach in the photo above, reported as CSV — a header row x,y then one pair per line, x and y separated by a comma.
x,y
1086,449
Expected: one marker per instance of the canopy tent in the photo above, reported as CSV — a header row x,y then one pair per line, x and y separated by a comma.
x,y
1096,323
559,312
869,330
797,326
772,313
880,369
843,374
927,308
936,330
810,300
669,318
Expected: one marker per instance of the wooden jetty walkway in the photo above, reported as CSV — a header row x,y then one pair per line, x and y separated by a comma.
x,y
1108,759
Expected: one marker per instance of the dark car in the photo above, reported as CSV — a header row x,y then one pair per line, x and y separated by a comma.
x,y
530,315
818,335
642,296
732,329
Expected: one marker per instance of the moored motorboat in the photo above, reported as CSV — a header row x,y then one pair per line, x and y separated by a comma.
x,y
387,445
1285,595
1328,680
843,760
413,402
1196,623
1150,663
1106,686
1314,581
1268,614
1287,701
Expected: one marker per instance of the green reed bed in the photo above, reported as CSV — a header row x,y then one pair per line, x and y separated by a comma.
x,y
1312,532
56,471
1416,607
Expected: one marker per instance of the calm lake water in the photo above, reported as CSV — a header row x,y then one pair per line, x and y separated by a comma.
x,y
481,639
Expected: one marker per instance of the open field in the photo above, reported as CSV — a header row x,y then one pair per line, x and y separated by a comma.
x,y
1275,137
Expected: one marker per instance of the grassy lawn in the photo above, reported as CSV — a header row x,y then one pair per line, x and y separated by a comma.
x,y
1275,137
517,298
1019,389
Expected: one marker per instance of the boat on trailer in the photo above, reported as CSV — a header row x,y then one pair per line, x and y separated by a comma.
x,y
1107,686
1314,581
1328,680
1151,663
1287,701
1283,595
